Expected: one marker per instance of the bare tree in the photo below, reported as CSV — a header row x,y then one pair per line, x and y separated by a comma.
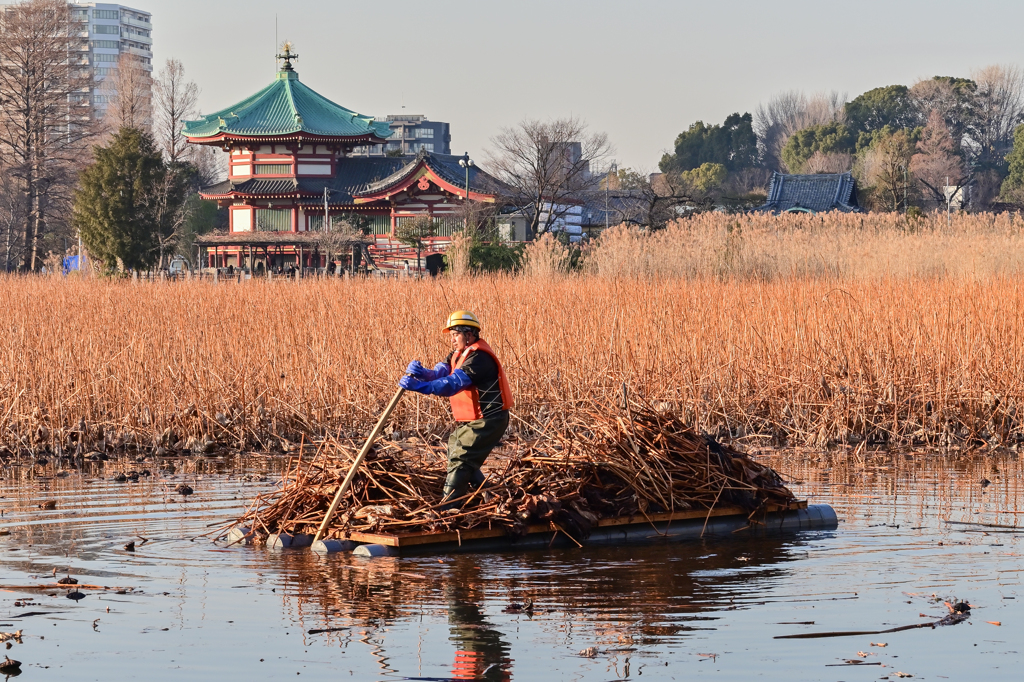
x,y
885,166
953,99
774,122
935,165
130,89
173,101
414,232
476,215
44,111
999,109
788,112
832,162
171,210
545,166
338,238
176,99
664,197
11,210
210,164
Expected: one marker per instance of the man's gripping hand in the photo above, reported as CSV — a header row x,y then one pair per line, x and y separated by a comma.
x,y
420,372
411,383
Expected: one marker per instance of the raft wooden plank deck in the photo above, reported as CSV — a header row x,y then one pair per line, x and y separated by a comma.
x,y
414,539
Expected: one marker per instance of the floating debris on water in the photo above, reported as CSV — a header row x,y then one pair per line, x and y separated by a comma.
x,y
526,608
613,463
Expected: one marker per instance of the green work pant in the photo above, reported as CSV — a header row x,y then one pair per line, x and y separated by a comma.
x,y
468,447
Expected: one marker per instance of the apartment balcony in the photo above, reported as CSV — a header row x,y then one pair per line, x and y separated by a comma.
x,y
135,22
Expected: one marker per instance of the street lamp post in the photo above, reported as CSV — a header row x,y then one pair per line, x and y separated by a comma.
x,y
906,180
466,162
946,190
327,216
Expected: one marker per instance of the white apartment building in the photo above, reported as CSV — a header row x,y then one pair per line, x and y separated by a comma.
x,y
107,31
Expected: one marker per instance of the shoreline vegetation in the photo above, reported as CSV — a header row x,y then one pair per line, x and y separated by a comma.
x,y
802,331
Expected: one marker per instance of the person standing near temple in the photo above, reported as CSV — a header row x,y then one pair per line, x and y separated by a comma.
x,y
474,381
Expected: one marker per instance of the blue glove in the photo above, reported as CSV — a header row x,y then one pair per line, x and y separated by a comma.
x,y
445,386
411,383
417,370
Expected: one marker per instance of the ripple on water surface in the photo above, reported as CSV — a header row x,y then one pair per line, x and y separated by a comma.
x,y
915,532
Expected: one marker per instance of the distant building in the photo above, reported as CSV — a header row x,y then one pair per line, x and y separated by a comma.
x,y
291,165
569,155
562,217
108,31
608,208
811,193
955,196
410,134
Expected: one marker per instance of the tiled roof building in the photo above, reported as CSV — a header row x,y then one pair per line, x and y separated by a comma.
x,y
811,193
291,166
287,107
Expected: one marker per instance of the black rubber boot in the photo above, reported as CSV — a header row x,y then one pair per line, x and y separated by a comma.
x,y
477,480
458,484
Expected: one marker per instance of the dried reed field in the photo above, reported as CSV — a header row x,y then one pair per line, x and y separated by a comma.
x,y
911,359
836,245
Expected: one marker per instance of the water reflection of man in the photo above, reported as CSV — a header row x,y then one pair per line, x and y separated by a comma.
x,y
482,653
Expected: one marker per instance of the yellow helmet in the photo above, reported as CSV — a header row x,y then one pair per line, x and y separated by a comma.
x,y
461,318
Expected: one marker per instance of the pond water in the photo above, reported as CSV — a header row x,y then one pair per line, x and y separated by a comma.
x,y
184,607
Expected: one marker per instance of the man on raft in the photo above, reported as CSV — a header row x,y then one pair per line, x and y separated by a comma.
x,y
472,378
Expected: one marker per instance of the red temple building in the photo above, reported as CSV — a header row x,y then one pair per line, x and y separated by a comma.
x,y
290,162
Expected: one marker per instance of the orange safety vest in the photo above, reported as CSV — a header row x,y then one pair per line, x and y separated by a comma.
x,y
466,403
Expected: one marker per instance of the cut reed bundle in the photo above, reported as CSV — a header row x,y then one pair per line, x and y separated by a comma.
x,y
604,465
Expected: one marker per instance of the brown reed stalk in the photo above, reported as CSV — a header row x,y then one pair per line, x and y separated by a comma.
x,y
921,352
618,468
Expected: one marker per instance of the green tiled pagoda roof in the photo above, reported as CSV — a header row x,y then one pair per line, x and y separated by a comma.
x,y
286,107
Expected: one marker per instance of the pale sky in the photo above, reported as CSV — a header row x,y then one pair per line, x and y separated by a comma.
x,y
641,71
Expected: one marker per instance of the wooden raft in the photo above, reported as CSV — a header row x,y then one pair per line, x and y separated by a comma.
x,y
414,539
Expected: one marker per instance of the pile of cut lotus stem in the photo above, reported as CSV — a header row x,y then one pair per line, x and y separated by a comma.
x,y
605,464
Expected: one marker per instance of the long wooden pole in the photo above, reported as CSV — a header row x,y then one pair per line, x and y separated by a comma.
x,y
356,464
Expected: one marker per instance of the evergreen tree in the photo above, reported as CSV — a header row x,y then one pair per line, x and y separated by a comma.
x,y
890,106
1013,185
827,138
127,201
732,144
706,178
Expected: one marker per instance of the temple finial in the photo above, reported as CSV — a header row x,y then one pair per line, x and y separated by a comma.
x,y
287,55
